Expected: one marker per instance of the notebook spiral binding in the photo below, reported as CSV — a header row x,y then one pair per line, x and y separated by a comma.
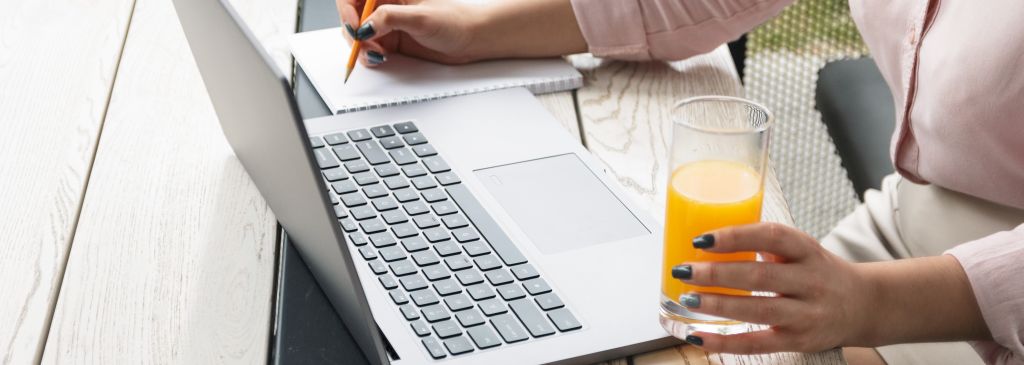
x,y
544,87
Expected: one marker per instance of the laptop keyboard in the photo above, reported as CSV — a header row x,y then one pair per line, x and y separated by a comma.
x,y
450,270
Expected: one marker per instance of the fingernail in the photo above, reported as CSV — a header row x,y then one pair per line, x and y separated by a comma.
x,y
682,272
704,241
690,300
375,58
351,31
366,31
694,340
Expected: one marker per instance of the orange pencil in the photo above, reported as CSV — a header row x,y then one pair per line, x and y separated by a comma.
x,y
367,9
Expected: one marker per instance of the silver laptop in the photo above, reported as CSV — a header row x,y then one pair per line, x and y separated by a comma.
x,y
467,230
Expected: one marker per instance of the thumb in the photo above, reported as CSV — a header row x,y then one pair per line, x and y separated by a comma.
x,y
389,18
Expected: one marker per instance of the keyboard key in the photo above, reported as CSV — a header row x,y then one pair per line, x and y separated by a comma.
x,y
465,235
487,262
469,277
423,298
436,164
446,329
344,187
335,174
324,159
406,127
436,272
501,244
456,263
396,182
357,166
476,248
434,195
393,253
365,178
409,312
398,296
404,230
373,153
340,212
386,170
548,301
443,208
413,282
435,313
564,320
535,321
458,302
316,142
414,244
363,212
424,150
511,291
425,258
378,267
447,248
447,287
388,281
423,182
536,286
470,318
492,307
414,139
433,347
336,139
414,170
403,267
455,221
524,272
499,277
509,328
348,225
334,199
458,345
372,226
483,336
375,191
415,208
358,135
421,328
426,221
352,200
402,156
391,142
382,131
382,239
346,152
480,292
447,178
357,239
405,195
367,253
436,234
394,217
385,203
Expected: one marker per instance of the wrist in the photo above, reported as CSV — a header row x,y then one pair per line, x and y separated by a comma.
x,y
868,307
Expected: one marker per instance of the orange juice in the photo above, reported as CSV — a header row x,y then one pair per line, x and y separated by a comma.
x,y
703,196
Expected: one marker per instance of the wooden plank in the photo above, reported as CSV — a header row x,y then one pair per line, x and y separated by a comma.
x,y
57,66
175,252
625,116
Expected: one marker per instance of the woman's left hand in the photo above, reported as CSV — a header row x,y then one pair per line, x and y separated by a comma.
x,y
822,302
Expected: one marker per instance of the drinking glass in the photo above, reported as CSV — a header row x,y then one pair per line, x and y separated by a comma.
x,y
718,161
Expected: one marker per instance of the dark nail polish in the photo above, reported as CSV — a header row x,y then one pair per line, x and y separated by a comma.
x,y
691,339
351,31
366,31
704,241
374,57
690,300
682,272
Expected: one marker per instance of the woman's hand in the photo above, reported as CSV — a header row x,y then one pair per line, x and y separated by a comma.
x,y
822,302
453,32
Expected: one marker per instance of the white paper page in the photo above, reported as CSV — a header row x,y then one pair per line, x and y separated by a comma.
x,y
401,80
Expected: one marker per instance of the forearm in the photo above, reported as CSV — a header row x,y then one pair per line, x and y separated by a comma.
x,y
528,28
919,300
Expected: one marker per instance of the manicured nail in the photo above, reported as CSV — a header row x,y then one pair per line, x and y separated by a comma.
x,y
351,31
375,58
690,300
682,272
704,241
691,339
366,31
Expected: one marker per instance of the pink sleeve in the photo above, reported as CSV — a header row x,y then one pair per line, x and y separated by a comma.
x,y
667,29
995,266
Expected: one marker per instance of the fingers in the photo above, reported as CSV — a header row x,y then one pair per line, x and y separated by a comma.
x,y
751,309
372,54
411,19
347,11
773,238
753,276
757,342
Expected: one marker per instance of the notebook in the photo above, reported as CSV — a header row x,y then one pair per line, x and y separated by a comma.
x,y
403,80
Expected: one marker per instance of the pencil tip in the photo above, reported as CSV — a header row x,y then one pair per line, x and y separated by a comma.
x,y
348,73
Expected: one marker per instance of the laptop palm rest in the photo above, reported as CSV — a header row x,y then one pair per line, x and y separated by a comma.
x,y
560,203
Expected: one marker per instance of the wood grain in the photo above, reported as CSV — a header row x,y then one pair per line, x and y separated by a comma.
x,y
563,108
625,116
57,66
174,257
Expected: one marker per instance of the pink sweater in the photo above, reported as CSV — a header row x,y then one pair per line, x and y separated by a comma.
x,y
956,71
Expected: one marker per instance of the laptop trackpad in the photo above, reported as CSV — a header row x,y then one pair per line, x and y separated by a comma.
x,y
559,203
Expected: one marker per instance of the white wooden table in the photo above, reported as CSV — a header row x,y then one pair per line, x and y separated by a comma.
x,y
131,233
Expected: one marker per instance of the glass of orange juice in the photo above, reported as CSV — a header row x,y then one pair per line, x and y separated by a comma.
x,y
717,165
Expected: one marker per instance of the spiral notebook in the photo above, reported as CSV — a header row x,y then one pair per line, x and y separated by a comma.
x,y
402,80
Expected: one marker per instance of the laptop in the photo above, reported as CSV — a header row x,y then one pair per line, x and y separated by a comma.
x,y
465,230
